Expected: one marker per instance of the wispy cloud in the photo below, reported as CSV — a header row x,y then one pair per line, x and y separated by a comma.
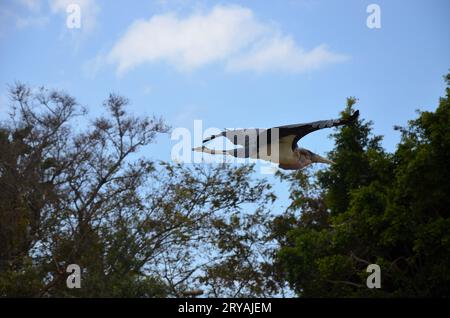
x,y
33,5
32,21
230,35
282,54
91,67
89,11
23,14
37,13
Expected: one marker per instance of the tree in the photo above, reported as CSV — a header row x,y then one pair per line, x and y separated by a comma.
x,y
374,207
75,191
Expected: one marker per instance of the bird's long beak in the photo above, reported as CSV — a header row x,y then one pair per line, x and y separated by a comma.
x,y
320,159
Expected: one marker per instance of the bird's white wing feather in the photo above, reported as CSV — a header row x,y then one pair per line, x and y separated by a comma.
x,y
244,137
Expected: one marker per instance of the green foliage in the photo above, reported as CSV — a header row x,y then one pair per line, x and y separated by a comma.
x,y
139,228
136,228
388,209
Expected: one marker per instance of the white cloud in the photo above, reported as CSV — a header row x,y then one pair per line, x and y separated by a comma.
x,y
25,14
34,5
230,35
187,43
282,54
91,67
31,21
89,11
36,14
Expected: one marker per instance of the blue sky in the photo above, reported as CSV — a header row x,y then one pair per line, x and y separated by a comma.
x,y
234,64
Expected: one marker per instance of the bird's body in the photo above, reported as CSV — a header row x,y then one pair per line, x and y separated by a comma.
x,y
277,144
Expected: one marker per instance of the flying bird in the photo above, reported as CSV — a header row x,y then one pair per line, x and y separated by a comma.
x,y
263,144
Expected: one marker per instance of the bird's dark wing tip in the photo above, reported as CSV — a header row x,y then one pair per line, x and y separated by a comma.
x,y
223,133
208,139
354,116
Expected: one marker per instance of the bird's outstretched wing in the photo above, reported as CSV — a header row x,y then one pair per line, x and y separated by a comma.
x,y
289,134
239,136
293,133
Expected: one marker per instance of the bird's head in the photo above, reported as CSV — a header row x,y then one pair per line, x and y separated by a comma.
x,y
306,157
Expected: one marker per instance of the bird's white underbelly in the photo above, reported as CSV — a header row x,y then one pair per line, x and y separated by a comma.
x,y
283,157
